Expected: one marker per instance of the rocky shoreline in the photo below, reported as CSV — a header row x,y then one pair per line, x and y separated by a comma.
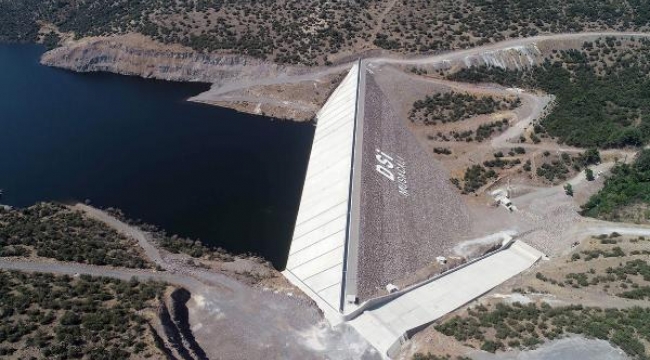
x,y
232,76
137,55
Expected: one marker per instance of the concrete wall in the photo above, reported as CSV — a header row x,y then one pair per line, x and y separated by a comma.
x,y
317,253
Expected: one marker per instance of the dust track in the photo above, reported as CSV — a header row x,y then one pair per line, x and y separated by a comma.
x,y
229,319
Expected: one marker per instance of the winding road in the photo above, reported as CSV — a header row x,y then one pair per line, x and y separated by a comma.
x,y
228,318
233,320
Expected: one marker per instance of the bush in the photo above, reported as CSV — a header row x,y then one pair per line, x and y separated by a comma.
x,y
54,231
628,184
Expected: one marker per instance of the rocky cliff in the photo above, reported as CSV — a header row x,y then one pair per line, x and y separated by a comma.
x,y
238,82
134,54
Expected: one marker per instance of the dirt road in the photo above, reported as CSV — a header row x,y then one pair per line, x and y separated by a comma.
x,y
234,90
461,54
229,319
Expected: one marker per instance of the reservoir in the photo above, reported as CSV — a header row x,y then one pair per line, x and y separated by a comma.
x,y
229,179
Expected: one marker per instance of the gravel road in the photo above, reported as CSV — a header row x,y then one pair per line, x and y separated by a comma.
x,y
571,348
229,319
461,54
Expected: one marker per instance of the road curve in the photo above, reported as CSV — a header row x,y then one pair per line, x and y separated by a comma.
x,y
67,268
459,54
144,240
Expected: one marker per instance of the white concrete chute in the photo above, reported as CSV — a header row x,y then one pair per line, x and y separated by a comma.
x,y
387,325
317,255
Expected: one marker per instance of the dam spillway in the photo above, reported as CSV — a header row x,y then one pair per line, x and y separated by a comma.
x,y
375,207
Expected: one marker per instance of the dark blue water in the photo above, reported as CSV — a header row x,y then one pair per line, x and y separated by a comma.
x,y
230,179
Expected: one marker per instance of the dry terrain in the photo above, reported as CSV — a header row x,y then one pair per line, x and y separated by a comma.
x,y
600,271
488,155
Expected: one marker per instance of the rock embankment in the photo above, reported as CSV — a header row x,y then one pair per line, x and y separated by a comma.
x,y
239,82
137,55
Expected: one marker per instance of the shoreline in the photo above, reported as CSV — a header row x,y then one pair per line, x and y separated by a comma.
x,y
251,85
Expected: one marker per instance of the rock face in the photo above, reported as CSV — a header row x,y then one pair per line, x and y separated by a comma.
x,y
137,55
238,82
516,57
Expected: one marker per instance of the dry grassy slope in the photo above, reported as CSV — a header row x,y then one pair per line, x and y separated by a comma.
x,y
315,31
546,288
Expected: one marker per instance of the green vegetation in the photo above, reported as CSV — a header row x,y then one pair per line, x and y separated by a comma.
x,y
266,29
560,168
623,274
552,170
453,106
475,177
517,151
595,254
628,184
309,31
484,131
442,151
501,163
54,231
429,356
74,318
601,91
174,243
422,25
193,248
525,326
632,278
51,40
568,189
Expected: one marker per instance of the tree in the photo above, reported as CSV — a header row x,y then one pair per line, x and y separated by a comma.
x,y
591,156
568,189
589,174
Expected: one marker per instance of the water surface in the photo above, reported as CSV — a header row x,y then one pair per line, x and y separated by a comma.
x,y
230,179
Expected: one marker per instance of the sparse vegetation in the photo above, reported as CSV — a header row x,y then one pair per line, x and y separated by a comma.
x,y
526,326
482,132
310,31
501,163
54,231
628,184
429,356
561,167
61,317
600,90
174,243
194,248
475,177
453,106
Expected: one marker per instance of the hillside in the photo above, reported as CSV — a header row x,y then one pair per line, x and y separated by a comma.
x,y
317,32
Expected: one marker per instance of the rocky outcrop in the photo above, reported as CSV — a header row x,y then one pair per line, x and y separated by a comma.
x,y
239,82
515,57
135,54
